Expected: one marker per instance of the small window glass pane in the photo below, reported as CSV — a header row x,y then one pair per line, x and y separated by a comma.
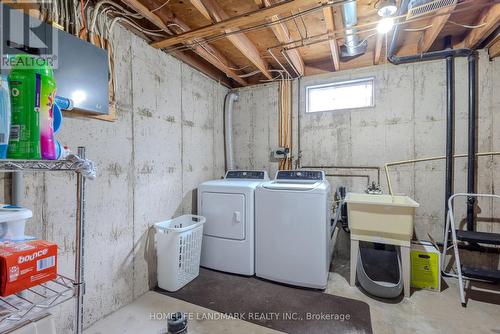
x,y
343,95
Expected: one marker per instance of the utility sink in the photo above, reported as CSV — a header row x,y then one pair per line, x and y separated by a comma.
x,y
381,218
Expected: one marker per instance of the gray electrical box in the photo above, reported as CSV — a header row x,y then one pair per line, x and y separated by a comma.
x,y
82,68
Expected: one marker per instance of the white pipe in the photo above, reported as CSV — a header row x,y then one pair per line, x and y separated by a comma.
x,y
231,97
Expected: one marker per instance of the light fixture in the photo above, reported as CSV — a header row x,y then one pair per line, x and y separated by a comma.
x,y
387,8
385,25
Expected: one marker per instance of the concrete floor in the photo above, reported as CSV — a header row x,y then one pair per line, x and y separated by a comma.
x,y
425,312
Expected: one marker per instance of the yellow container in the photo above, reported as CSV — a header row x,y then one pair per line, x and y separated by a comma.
x,y
381,218
425,266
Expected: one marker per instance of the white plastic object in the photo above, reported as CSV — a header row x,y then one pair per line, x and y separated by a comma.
x,y
381,218
237,216
178,248
12,222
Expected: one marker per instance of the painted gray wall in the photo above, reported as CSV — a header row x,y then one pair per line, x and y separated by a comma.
x,y
407,122
168,138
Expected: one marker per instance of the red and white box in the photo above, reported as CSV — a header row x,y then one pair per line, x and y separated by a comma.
x,y
26,264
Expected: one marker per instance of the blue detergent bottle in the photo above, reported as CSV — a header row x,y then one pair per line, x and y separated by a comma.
x,y
5,113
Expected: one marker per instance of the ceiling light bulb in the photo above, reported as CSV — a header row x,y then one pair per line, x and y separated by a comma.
x,y
387,8
385,25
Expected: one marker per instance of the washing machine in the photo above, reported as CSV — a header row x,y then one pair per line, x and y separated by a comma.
x,y
228,205
293,229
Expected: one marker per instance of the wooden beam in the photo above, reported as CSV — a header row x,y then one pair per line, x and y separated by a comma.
x,y
378,48
206,52
490,17
198,4
148,15
198,64
240,40
237,21
282,34
259,3
494,50
330,28
437,25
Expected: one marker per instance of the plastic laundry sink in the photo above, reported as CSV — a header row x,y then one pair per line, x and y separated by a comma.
x,y
381,218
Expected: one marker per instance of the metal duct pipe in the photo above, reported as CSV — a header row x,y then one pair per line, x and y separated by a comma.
x,y
352,46
403,8
450,123
231,97
471,158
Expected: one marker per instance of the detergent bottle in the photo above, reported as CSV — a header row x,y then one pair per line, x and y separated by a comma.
x,y
5,111
33,89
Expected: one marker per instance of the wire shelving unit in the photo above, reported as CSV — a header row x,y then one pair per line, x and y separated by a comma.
x,y
27,304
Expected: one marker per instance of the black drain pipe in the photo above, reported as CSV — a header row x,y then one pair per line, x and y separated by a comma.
x,y
449,54
450,124
471,158
432,55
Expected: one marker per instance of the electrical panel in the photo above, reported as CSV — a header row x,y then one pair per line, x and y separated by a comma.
x,y
82,68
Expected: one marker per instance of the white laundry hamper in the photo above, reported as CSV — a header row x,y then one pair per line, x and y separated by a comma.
x,y
178,249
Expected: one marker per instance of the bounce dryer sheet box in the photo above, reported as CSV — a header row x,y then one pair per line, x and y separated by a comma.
x,y
26,264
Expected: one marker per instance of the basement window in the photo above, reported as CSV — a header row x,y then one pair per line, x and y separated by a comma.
x,y
353,94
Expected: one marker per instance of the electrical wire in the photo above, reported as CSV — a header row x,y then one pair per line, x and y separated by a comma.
x,y
83,14
468,26
279,77
418,29
254,28
304,24
109,2
160,7
306,12
133,24
298,29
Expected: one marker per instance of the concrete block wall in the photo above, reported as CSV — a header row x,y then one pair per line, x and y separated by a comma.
x,y
407,122
168,138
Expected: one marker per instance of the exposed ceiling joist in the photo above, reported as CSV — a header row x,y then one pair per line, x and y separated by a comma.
x,y
494,49
214,57
282,34
330,27
378,48
148,15
437,25
198,4
197,64
214,12
206,52
237,21
490,17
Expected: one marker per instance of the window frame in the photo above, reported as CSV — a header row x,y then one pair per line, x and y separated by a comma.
x,y
337,84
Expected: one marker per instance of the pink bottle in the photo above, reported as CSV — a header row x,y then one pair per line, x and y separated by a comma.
x,y
47,141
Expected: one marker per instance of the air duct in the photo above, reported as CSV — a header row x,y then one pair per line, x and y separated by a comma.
x,y
352,46
231,97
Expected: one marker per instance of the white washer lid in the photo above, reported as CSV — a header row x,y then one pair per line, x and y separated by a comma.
x,y
12,213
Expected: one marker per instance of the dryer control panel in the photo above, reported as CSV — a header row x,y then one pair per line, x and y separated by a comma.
x,y
310,175
246,174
